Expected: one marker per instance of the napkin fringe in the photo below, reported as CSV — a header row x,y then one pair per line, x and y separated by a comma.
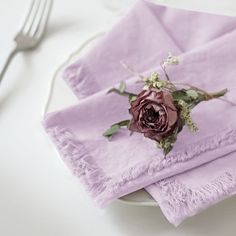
x,y
180,201
103,187
219,140
79,161
80,80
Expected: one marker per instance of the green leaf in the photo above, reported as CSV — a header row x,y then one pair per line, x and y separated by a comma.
x,y
115,128
123,123
181,95
112,130
132,98
192,94
122,86
191,97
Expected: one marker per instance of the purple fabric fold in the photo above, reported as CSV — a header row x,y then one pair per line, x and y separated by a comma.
x,y
200,170
143,38
187,194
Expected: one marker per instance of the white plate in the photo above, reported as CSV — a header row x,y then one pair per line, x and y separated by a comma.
x,y
62,96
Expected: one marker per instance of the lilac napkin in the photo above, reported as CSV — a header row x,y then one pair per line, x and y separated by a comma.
x,y
112,171
142,39
210,67
186,194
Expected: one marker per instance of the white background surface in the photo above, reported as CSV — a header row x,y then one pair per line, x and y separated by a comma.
x,y
38,195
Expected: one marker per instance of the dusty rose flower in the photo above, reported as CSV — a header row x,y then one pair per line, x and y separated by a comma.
x,y
154,114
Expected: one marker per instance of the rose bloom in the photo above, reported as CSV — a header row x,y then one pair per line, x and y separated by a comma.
x,y
154,114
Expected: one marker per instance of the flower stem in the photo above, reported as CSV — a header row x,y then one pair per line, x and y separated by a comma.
x,y
124,93
131,70
209,96
164,70
217,94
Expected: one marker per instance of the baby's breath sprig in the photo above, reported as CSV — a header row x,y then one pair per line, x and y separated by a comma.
x,y
185,115
169,61
154,81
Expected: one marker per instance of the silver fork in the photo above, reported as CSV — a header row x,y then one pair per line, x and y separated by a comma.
x,y
32,31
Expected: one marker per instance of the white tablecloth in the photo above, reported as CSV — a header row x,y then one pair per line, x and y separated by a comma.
x,y
38,195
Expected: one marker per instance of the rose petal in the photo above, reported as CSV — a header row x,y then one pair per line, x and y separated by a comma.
x,y
173,116
168,101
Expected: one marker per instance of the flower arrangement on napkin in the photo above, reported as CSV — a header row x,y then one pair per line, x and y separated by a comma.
x,y
162,109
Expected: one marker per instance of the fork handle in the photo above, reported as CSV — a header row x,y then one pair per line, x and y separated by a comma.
x,y
7,63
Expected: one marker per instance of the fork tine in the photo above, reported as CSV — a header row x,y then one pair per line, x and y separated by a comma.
x,y
35,18
28,14
41,17
42,24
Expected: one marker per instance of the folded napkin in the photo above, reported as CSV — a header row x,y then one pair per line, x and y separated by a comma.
x,y
186,194
142,39
127,163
